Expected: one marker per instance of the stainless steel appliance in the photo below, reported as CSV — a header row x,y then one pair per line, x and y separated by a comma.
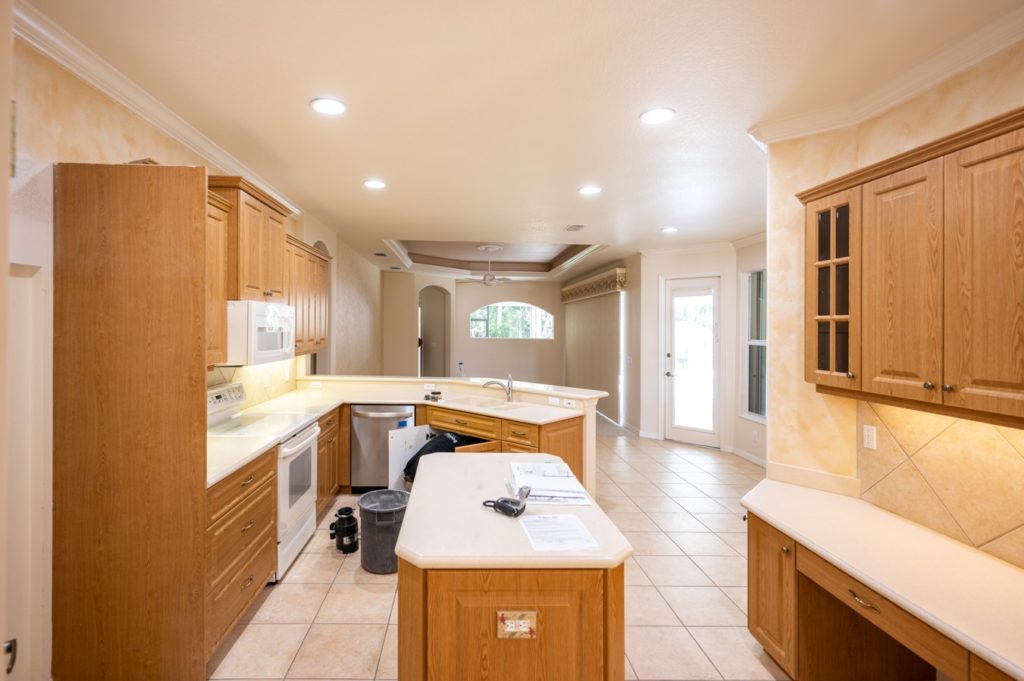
x,y
371,424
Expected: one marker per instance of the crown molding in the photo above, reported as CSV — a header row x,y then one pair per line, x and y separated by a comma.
x,y
400,252
611,281
752,240
992,39
696,249
45,35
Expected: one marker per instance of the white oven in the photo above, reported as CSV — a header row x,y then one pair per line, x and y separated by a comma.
x,y
296,496
259,332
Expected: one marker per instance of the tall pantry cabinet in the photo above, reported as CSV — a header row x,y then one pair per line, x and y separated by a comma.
x,y
129,422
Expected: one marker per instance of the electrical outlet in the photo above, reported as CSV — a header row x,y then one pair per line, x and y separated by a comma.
x,y
870,437
316,385
553,401
428,386
569,403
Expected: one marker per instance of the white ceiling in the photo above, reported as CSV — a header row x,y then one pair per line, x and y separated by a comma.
x,y
463,250
484,117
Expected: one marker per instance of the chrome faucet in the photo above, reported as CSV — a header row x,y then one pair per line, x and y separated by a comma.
x,y
507,387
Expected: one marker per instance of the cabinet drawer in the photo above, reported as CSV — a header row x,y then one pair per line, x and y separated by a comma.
x,y
236,532
489,446
223,496
507,446
226,604
520,433
937,650
329,420
461,422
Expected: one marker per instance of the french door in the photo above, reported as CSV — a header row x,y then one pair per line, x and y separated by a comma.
x,y
691,361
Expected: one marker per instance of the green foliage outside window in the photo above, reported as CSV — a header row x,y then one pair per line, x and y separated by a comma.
x,y
511,320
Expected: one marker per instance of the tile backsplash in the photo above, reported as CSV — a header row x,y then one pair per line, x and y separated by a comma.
x,y
962,478
262,382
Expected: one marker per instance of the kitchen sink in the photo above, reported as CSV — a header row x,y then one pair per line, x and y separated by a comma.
x,y
482,402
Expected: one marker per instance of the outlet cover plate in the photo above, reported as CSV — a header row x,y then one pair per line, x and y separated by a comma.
x,y
870,437
517,624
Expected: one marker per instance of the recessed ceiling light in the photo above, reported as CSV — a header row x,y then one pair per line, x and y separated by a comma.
x,y
328,105
656,116
374,183
381,255
589,190
669,230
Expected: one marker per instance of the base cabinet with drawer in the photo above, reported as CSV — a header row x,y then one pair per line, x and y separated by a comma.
x,y
820,624
327,446
241,544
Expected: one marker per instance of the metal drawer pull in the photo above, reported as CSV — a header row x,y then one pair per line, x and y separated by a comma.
x,y
247,583
849,374
785,550
862,603
518,433
248,481
947,388
248,526
461,422
927,385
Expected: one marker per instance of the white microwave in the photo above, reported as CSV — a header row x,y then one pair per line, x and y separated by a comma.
x,y
259,332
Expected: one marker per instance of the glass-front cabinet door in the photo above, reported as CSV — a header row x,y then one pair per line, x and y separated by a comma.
x,y
832,337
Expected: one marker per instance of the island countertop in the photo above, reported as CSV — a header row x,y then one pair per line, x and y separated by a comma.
x,y
447,527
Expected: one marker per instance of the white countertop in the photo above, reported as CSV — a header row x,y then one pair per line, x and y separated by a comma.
x,y
446,526
225,455
973,598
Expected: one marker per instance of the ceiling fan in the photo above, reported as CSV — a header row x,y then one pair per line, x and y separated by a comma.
x,y
490,279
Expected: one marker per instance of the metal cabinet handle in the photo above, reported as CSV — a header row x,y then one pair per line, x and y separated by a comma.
x,y
947,388
862,603
518,433
248,526
461,422
247,583
11,648
927,385
248,481
849,374
785,550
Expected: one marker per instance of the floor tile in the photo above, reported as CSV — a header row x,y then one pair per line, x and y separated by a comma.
x,y
681,489
652,544
701,544
262,651
667,654
738,595
700,505
634,574
609,489
737,540
678,522
724,570
621,504
288,604
722,522
314,568
632,522
357,604
646,607
736,654
642,489
673,571
703,606
352,571
339,651
388,667
657,505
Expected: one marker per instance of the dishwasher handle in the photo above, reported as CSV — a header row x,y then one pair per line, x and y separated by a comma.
x,y
383,414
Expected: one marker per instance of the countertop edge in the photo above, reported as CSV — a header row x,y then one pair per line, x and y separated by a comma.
x,y
552,562
241,463
971,644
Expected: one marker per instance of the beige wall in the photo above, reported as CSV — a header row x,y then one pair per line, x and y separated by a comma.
x,y
811,434
749,433
435,330
592,348
398,333
540,361
5,160
355,313
633,352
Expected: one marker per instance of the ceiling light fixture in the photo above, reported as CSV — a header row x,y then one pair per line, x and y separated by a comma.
x,y
669,230
374,183
328,106
589,190
656,116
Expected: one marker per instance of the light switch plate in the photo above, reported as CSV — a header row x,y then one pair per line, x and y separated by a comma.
x,y
428,386
517,624
553,401
870,437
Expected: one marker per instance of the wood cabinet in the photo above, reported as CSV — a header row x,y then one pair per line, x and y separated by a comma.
x,y
307,289
256,240
934,277
241,544
129,421
983,671
327,460
771,583
217,209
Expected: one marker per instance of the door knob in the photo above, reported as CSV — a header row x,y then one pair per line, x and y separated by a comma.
x,y
670,374
927,385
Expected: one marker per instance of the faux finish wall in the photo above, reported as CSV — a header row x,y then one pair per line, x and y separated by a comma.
x,y
811,434
539,361
398,331
592,348
749,433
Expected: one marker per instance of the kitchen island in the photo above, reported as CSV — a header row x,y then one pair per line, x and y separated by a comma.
x,y
477,601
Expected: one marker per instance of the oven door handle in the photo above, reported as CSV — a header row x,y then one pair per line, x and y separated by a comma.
x,y
289,450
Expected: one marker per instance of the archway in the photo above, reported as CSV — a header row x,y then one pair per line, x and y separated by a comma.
x,y
434,323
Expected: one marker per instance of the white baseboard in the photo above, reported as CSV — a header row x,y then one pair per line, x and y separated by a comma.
x,y
808,477
631,428
752,458
649,435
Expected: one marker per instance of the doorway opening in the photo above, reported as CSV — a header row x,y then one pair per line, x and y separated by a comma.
x,y
434,326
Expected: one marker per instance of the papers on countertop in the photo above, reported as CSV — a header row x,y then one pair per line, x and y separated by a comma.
x,y
563,532
549,483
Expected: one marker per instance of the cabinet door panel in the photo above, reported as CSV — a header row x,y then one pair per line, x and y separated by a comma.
x,y
771,604
273,263
984,261
216,284
250,248
901,292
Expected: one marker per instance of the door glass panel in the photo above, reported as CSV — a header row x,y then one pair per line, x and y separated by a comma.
x,y
823,346
824,235
842,289
300,476
823,291
842,347
693,359
843,232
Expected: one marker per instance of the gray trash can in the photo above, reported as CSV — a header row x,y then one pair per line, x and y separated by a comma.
x,y
382,512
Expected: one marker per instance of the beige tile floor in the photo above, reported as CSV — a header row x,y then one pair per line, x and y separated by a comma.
x,y
686,586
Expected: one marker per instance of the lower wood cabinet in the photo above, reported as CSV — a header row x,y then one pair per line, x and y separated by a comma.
x,y
241,544
983,671
771,584
327,460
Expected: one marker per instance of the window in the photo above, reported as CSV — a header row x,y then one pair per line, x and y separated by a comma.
x,y
511,320
757,343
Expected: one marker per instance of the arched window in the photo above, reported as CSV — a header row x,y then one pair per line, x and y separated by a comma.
x,y
511,320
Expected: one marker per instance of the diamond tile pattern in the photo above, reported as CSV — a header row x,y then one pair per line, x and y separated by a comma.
x,y
959,477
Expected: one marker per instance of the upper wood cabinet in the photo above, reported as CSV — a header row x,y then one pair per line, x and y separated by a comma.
x,y
933,275
307,289
902,284
217,209
256,239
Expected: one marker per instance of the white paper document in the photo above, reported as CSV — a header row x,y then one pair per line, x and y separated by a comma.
x,y
557,533
549,483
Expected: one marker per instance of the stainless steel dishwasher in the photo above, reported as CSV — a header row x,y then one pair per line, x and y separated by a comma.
x,y
369,447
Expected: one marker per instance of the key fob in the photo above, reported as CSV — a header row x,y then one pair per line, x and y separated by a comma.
x,y
507,506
